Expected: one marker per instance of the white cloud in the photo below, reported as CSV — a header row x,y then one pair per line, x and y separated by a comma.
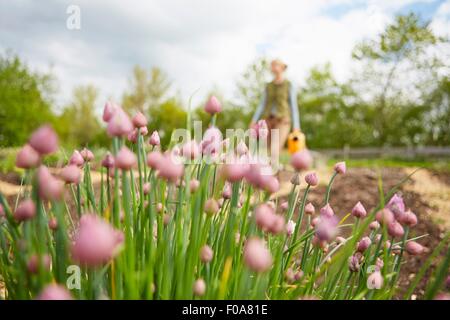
x,y
200,43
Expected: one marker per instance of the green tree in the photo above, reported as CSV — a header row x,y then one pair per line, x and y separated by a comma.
x,y
79,124
168,116
395,66
331,113
25,100
437,119
250,86
147,90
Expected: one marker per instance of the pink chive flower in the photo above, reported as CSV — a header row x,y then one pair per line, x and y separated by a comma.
x,y
317,242
155,159
301,160
212,141
256,255
226,144
54,292
379,263
312,179
108,161
199,287
414,248
213,135
259,130
53,223
70,174
211,206
295,180
234,171
146,188
27,158
133,136
87,155
315,221
384,216
190,150
395,229
374,225
176,151
340,167
96,242
26,210
270,184
326,229
290,275
363,244
290,228
139,120
119,124
397,206
34,263
143,130
226,192
194,184
154,139
253,175
125,159
206,253
278,224
355,261
309,209
359,211
284,206
267,220
241,148
442,296
76,158
263,129
108,111
327,211
409,219
50,188
264,216
213,105
375,281
44,140
170,169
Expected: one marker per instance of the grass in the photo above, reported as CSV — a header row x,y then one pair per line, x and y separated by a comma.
x,y
440,165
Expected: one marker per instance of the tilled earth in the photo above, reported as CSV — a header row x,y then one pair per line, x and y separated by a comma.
x,y
362,184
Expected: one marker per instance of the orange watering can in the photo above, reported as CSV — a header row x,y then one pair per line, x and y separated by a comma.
x,y
296,141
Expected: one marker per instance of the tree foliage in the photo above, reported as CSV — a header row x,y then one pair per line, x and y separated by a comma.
x,y
24,100
79,123
147,90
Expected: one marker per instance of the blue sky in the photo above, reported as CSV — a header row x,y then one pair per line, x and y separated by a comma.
x,y
426,9
201,44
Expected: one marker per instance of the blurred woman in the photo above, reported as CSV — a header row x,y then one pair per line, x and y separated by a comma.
x,y
278,105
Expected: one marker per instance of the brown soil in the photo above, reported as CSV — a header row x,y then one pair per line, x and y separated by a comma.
x,y
10,177
361,184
